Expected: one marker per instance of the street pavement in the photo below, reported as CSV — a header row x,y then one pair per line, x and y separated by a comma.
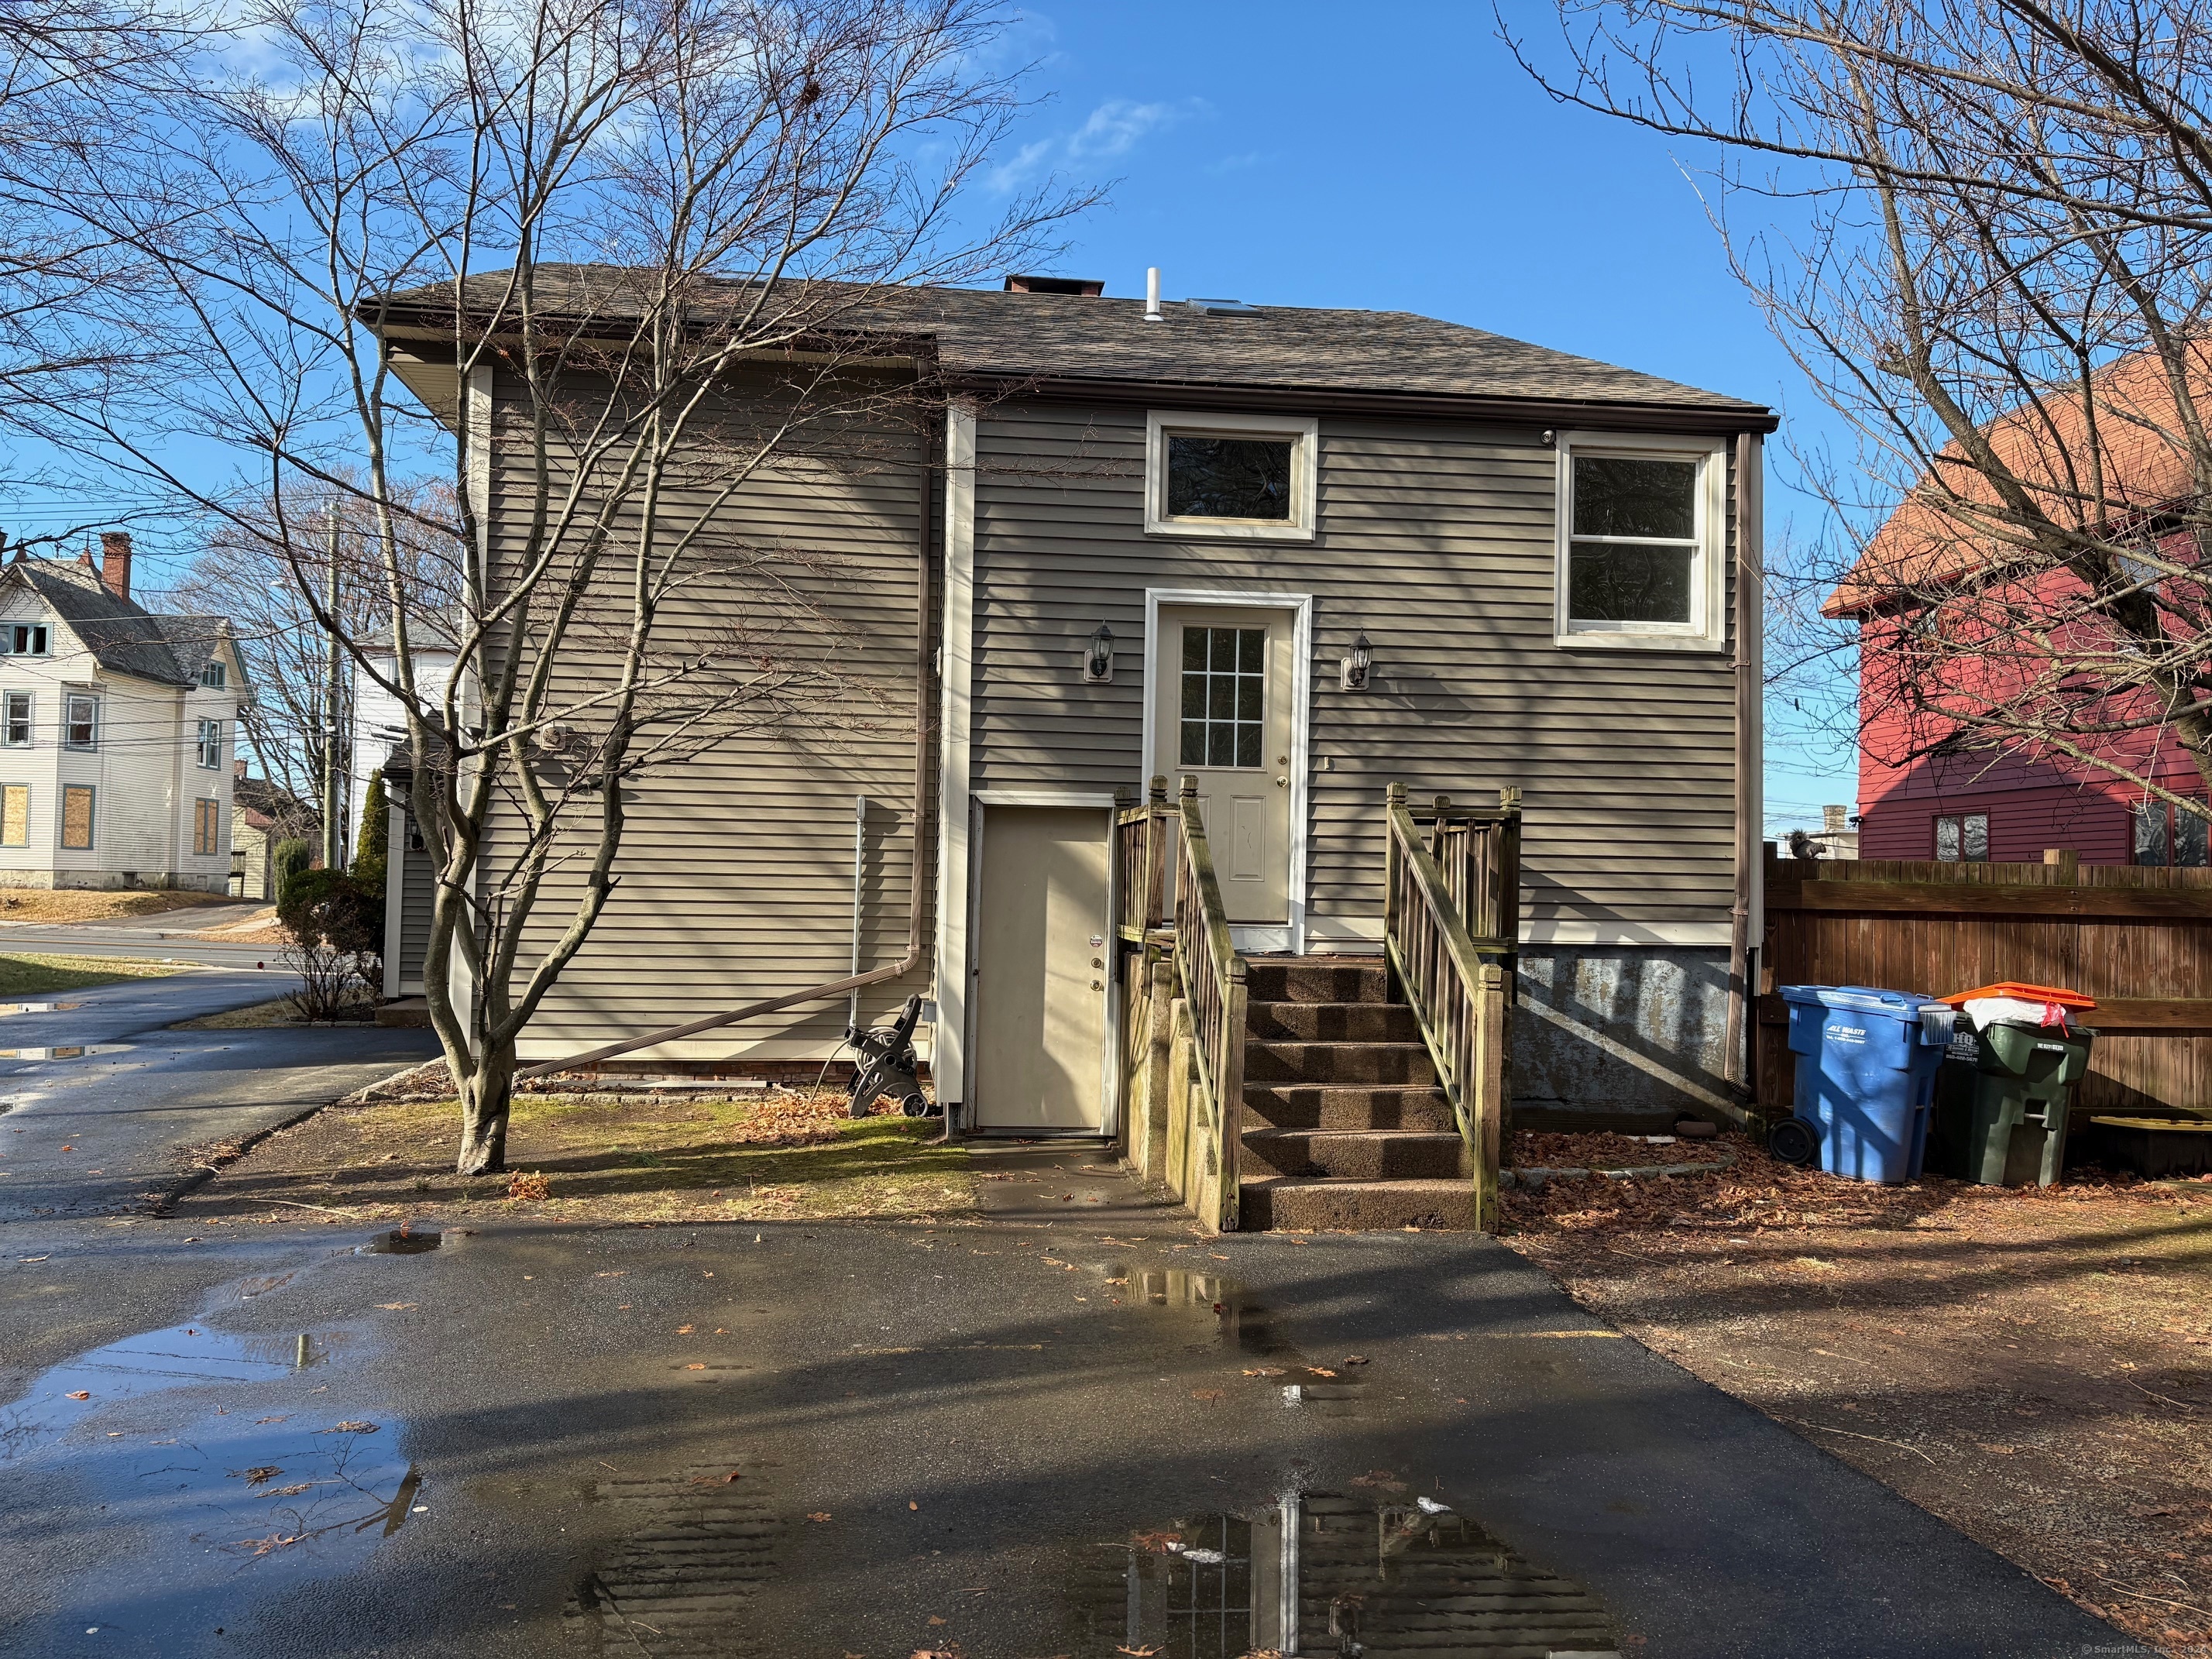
x,y
166,937
981,1440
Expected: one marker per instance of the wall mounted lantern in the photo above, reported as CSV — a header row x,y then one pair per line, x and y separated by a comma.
x,y
1353,669
1098,657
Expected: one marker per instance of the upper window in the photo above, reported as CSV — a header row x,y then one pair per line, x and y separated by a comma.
x,y
1964,839
211,744
215,676
18,727
22,640
1642,532
1229,476
2167,835
81,723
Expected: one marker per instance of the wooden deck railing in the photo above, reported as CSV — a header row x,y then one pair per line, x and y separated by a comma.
x,y
1457,982
1142,835
1213,982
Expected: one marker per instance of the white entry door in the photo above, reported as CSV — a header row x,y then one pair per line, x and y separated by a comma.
x,y
1041,947
1222,713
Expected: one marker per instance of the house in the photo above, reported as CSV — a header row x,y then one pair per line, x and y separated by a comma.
x,y
1299,555
261,815
117,729
380,728
1926,791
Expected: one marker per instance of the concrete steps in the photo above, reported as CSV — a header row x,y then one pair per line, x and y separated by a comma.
x,y
1345,1126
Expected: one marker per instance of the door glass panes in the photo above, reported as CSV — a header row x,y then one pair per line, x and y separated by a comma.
x,y
1229,478
1223,696
1634,540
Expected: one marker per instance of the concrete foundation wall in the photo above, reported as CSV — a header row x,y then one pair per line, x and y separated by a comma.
x,y
1619,1036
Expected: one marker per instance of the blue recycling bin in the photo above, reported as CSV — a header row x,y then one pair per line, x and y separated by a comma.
x,y
1866,1075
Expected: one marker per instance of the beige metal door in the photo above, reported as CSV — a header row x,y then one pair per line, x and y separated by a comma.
x,y
1040,946
1222,714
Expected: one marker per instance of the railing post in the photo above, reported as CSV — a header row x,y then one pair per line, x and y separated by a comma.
x,y
1505,874
1231,1083
1393,796
1488,1093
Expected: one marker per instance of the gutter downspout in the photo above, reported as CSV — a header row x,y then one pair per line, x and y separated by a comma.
x,y
1744,915
916,892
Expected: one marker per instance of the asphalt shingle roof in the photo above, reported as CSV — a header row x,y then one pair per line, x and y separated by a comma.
x,y
988,334
122,635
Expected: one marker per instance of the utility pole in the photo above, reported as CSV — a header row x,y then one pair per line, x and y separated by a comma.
x,y
333,786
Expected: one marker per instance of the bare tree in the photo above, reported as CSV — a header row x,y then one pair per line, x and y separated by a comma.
x,y
1994,269
254,569
612,208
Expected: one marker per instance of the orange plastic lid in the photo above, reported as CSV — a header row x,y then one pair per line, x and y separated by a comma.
x,y
2023,993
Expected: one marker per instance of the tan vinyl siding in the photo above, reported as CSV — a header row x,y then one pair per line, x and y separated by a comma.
x,y
1436,539
735,881
417,886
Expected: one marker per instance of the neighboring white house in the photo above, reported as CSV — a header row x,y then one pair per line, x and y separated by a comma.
x,y
380,728
117,731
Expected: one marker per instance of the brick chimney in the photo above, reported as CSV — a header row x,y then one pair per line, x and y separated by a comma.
x,y
115,562
237,771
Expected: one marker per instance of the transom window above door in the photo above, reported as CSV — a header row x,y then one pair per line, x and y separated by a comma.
x,y
1229,477
1224,682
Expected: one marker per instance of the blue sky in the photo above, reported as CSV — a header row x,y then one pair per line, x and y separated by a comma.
x,y
1397,157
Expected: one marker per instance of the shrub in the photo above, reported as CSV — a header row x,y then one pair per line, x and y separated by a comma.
x,y
292,856
336,927
368,854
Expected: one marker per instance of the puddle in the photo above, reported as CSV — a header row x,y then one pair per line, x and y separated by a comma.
x,y
81,1051
38,1007
205,1469
1245,1325
1381,1571
700,1549
400,1242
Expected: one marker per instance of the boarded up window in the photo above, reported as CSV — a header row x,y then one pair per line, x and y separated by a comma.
x,y
77,816
16,815
206,816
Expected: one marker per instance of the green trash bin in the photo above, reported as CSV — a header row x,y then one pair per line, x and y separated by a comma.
x,y
2002,1096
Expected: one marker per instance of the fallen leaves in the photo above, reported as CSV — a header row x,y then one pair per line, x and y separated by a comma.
x,y
397,1307
81,1394
685,1330
350,1426
819,1514
1355,1359
697,1366
529,1185
261,1475
1207,1394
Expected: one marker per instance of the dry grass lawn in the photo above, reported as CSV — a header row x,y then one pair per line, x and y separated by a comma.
x,y
25,974
2033,1367
43,905
263,1016
594,1160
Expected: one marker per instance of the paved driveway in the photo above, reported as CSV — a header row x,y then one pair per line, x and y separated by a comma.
x,y
97,1098
1062,1430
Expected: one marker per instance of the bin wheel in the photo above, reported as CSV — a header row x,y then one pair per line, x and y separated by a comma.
x,y
917,1105
1793,1140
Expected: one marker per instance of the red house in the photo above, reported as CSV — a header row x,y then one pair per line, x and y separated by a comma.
x,y
1981,737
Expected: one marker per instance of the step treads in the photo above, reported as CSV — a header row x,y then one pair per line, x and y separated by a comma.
x,y
1353,1106
1360,1155
1324,1205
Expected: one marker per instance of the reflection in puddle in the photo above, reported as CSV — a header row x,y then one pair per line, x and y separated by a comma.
x,y
1249,1327
257,1473
38,1007
400,1242
1319,1573
700,1546
78,1052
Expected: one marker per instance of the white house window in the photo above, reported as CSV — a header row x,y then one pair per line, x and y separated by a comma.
x,y
2166,834
1964,839
1230,477
17,732
1641,557
23,640
1223,696
211,744
215,676
81,723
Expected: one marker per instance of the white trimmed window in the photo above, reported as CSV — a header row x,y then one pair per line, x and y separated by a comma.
x,y
16,732
210,744
1230,477
1642,542
81,724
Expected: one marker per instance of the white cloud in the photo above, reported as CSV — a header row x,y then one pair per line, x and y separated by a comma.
x,y
1113,129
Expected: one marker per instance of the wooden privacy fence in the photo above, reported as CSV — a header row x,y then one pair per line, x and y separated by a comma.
x,y
1465,874
1187,1126
2139,940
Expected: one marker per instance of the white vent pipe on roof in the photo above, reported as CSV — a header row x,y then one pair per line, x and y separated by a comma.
x,y
1153,295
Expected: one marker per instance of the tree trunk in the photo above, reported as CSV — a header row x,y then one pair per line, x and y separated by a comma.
x,y
487,1095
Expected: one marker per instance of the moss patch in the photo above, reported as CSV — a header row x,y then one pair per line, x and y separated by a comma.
x,y
783,1157
23,975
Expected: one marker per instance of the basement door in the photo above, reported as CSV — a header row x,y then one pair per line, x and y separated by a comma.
x,y
1222,713
1039,950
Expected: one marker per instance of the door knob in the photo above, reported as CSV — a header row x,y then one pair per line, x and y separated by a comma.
x,y
1282,783
1097,985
